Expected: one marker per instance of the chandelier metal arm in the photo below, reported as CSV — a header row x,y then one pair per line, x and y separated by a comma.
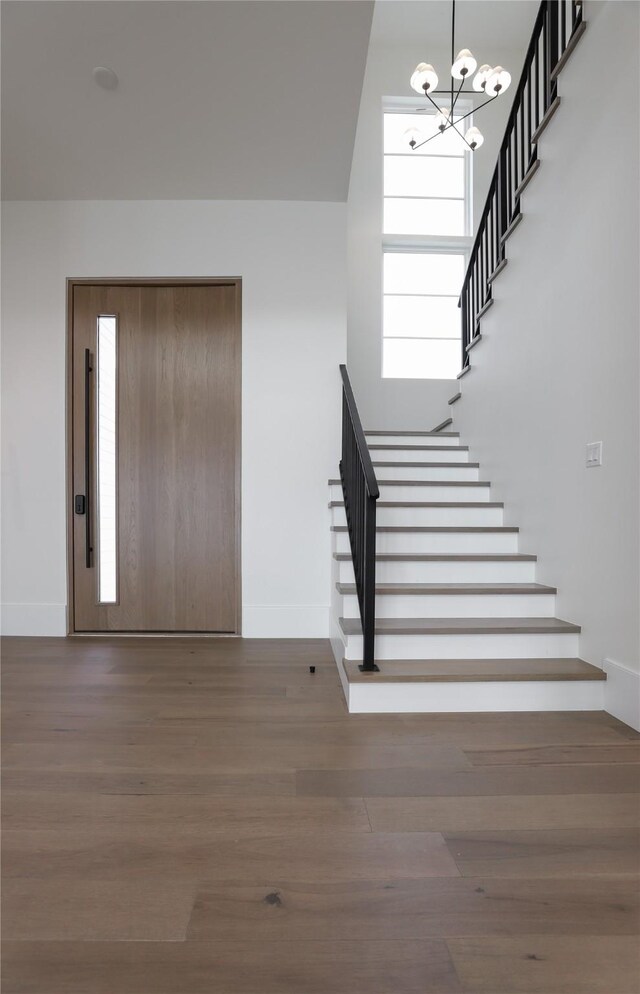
x,y
450,125
461,135
454,102
476,109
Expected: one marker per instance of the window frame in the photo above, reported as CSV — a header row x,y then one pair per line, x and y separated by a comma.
x,y
427,244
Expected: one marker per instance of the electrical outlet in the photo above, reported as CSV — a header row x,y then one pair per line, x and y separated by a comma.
x,y
594,454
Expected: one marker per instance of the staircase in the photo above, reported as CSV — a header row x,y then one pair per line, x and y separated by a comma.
x,y
461,624
456,620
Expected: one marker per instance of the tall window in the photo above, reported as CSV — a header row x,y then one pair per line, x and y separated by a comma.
x,y
425,240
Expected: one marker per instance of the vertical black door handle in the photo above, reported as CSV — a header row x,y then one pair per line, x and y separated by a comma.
x,y
87,456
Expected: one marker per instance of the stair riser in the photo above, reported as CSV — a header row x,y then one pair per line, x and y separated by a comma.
x,y
442,698
455,606
501,646
428,492
448,542
465,473
440,438
446,572
443,516
419,455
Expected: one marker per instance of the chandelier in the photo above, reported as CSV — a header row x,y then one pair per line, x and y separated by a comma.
x,y
492,81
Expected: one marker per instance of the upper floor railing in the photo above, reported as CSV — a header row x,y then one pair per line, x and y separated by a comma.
x,y
558,26
360,490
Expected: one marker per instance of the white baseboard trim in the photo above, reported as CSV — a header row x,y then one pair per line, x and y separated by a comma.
x,y
259,621
285,621
344,682
337,647
622,693
34,619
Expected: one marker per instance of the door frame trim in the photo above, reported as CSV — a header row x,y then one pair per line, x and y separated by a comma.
x,y
71,283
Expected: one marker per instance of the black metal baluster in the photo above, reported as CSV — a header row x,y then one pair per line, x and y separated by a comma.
x,y
492,240
547,58
576,14
509,183
496,209
487,261
463,304
553,45
536,79
474,296
529,124
524,151
502,198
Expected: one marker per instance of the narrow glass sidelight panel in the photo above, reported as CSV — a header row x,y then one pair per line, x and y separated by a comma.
x,y
107,458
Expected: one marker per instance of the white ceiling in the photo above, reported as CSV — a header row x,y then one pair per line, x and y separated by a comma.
x,y
220,100
483,24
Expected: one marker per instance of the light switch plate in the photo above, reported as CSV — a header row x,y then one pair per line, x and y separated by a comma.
x,y
594,454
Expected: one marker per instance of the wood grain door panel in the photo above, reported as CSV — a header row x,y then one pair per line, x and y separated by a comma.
x,y
178,417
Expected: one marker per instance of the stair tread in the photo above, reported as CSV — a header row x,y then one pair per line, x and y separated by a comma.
x,y
424,483
463,626
417,434
431,465
428,503
478,670
455,557
403,529
453,588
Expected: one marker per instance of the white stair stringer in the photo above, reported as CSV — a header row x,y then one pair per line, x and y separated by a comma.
x,y
461,623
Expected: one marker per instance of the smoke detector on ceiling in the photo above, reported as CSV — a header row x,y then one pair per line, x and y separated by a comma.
x,y
105,78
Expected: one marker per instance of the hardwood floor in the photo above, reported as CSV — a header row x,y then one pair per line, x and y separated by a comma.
x,y
193,816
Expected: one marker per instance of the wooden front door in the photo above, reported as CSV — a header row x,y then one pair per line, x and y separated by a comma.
x,y
155,438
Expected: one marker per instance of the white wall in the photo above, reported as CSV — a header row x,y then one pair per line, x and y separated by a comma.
x,y
558,363
387,403
291,257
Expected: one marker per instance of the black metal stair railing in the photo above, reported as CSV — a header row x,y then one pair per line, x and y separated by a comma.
x,y
360,490
557,28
